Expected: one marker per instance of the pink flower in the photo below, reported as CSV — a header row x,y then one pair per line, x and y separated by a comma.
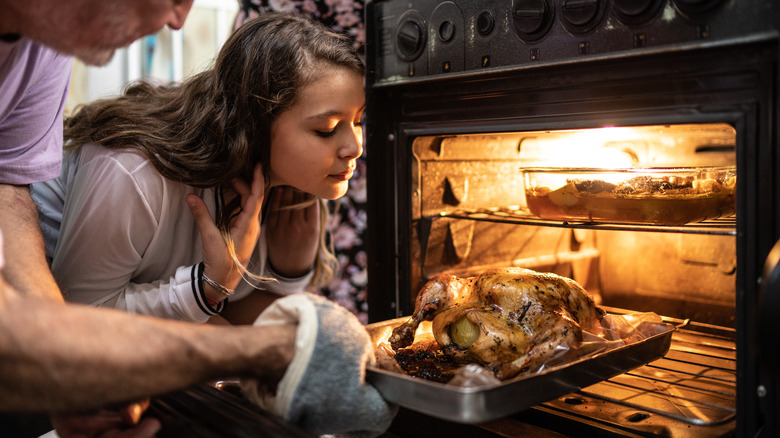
x,y
347,20
361,258
359,277
309,6
358,218
345,237
357,189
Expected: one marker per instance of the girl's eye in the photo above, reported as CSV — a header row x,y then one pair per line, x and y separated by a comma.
x,y
329,133
326,134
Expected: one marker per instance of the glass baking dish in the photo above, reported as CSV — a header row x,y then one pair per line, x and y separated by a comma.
x,y
660,195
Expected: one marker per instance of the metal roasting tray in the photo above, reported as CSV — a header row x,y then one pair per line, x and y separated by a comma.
x,y
480,404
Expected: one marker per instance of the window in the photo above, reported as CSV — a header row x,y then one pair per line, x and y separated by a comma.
x,y
167,56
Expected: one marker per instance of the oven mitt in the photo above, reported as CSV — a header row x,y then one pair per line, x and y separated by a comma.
x,y
324,389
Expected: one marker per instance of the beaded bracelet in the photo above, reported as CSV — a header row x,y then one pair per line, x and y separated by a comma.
x,y
219,288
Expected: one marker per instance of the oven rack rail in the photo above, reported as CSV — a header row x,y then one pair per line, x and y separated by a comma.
x,y
691,389
725,226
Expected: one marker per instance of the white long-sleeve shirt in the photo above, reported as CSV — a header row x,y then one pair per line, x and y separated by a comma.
x,y
121,235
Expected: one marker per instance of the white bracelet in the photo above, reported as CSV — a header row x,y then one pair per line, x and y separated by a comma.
x,y
221,289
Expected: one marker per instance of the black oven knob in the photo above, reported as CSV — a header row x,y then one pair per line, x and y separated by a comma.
x,y
693,8
636,11
410,38
446,30
485,23
532,18
581,16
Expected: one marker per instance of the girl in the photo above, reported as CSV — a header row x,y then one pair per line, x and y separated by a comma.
x,y
172,199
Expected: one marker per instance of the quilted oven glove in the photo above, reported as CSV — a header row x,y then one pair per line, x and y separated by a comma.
x,y
324,389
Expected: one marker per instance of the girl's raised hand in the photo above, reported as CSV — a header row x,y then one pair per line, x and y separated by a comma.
x,y
292,233
244,231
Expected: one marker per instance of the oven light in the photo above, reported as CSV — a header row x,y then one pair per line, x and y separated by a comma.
x,y
587,156
612,147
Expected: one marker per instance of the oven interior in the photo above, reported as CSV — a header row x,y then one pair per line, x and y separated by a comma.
x,y
469,212
472,199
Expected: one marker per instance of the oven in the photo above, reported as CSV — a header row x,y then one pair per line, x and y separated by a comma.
x,y
465,96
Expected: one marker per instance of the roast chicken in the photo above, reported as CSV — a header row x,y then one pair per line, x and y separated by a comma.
x,y
509,320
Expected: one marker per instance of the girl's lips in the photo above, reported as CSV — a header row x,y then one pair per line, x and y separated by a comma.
x,y
343,176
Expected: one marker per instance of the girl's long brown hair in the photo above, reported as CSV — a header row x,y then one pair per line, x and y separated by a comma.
x,y
216,125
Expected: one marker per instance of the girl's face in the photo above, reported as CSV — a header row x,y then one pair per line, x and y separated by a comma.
x,y
315,144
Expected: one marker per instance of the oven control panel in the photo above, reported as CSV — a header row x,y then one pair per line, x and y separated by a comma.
x,y
426,38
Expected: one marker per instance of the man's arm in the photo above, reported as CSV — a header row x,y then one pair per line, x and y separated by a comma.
x,y
61,357
25,259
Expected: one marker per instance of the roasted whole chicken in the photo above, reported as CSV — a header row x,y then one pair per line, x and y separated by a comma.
x,y
509,320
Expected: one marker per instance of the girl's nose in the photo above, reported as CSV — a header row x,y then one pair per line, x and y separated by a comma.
x,y
353,144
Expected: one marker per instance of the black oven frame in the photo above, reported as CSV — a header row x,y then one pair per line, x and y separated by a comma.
x,y
734,82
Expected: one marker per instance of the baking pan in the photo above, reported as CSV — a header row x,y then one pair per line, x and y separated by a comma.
x,y
485,403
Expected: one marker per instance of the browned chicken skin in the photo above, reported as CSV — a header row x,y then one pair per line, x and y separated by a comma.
x,y
507,319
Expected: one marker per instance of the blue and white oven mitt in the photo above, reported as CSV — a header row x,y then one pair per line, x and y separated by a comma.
x,y
324,389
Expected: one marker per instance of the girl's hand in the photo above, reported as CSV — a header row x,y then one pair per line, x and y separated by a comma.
x,y
292,234
244,230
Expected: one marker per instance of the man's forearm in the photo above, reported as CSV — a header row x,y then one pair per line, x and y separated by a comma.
x,y
25,257
59,357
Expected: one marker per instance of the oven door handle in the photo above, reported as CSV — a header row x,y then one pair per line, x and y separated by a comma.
x,y
769,305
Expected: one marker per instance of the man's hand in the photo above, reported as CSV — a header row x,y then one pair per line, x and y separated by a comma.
x,y
124,422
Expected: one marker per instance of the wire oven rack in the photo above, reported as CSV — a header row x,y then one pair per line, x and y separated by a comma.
x,y
689,392
725,225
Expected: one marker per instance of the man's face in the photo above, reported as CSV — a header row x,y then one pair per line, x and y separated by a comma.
x,y
92,30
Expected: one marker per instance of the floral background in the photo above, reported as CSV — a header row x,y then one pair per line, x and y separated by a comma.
x,y
348,218
343,16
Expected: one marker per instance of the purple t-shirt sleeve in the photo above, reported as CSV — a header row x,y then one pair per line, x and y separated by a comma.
x,y
33,86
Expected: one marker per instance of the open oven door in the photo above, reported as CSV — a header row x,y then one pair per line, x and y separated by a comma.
x,y
769,347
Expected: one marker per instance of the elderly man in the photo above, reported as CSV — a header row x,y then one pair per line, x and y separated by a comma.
x,y
51,352
61,358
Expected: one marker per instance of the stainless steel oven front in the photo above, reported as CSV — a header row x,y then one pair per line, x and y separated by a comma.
x,y
464,95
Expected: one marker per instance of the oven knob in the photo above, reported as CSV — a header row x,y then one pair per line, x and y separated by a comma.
x,y
691,8
410,38
581,15
532,18
636,11
485,23
446,30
